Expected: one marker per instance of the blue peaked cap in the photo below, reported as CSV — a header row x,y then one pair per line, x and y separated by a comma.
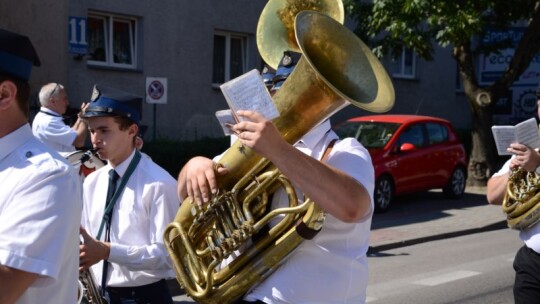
x,y
17,55
108,101
285,68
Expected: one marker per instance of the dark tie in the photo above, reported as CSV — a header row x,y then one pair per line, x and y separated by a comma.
x,y
113,178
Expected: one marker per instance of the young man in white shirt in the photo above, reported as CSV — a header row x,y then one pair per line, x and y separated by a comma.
x,y
123,235
527,261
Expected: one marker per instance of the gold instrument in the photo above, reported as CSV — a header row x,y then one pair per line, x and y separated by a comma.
x,y
89,292
87,162
336,69
521,201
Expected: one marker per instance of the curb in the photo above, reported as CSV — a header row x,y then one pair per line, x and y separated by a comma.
x,y
495,226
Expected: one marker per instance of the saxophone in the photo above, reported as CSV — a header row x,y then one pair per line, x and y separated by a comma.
x,y
89,291
336,69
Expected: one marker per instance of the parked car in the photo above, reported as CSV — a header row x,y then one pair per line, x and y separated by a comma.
x,y
410,153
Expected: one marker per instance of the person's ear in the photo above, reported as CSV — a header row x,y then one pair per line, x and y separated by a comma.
x,y
8,94
133,130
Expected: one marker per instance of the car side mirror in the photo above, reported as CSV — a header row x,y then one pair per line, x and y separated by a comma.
x,y
407,147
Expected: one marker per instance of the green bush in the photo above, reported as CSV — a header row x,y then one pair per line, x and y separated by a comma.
x,y
172,155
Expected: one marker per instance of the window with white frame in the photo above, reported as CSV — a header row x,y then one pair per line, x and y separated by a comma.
x,y
112,40
404,66
230,56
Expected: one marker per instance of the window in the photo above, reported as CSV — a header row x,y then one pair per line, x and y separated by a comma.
x,y
437,133
112,40
404,66
230,56
413,135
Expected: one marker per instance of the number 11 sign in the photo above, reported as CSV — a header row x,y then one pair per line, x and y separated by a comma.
x,y
77,36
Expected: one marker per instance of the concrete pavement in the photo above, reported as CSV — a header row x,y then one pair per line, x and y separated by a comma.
x,y
425,217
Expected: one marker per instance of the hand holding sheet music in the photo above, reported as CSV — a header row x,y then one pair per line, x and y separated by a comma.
x,y
525,133
246,92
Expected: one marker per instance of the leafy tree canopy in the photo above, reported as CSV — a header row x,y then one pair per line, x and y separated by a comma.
x,y
417,24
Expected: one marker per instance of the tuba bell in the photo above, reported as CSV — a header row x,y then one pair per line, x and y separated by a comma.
x,y
336,69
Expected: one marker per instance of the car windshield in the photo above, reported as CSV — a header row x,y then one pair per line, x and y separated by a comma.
x,y
371,134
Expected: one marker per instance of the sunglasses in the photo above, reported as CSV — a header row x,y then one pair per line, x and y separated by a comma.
x,y
54,90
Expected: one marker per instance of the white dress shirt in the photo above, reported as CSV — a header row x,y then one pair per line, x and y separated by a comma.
x,y
148,203
332,267
40,211
49,127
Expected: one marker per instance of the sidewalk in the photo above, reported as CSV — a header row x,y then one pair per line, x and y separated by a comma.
x,y
428,216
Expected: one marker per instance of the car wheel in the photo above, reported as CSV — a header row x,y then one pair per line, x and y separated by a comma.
x,y
384,192
456,184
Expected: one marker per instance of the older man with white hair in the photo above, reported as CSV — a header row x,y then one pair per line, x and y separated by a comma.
x,y
48,125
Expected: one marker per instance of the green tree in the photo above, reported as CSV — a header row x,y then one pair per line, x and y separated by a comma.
x,y
390,25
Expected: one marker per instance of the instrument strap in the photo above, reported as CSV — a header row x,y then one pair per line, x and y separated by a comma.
x,y
48,113
108,210
328,150
302,229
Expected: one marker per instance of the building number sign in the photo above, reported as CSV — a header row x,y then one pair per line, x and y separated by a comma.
x,y
77,36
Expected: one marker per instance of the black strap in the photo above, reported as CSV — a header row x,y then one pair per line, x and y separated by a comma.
x,y
302,229
112,197
51,114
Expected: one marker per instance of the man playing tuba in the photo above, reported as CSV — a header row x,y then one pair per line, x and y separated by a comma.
x,y
339,177
527,260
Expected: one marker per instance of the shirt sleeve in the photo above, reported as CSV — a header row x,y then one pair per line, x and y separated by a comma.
x,y
58,132
504,169
352,158
163,205
36,224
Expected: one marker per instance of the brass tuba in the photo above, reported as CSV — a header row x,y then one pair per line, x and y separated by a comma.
x,y
521,200
336,68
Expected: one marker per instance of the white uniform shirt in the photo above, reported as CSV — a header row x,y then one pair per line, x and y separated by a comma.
x,y
146,206
332,267
49,127
531,236
40,211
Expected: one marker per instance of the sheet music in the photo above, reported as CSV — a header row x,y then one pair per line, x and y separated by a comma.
x,y
525,132
248,92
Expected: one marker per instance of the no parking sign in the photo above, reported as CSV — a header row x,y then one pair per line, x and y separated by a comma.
x,y
156,90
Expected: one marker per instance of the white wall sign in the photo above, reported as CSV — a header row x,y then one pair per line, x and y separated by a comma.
x,y
156,90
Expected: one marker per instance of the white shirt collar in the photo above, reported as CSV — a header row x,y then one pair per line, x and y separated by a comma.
x,y
315,135
122,167
15,139
44,109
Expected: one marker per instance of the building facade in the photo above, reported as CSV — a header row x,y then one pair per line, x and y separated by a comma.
x,y
194,46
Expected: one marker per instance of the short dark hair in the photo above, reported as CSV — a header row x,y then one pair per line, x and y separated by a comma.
x,y
23,91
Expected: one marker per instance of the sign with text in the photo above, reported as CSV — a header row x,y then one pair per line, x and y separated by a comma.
x,y
493,65
77,43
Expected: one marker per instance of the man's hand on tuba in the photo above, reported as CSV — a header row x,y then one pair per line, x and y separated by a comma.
x,y
197,180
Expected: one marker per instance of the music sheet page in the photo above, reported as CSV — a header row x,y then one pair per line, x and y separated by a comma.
x,y
525,132
248,92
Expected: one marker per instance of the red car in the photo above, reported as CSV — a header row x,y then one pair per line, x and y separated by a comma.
x,y
410,153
